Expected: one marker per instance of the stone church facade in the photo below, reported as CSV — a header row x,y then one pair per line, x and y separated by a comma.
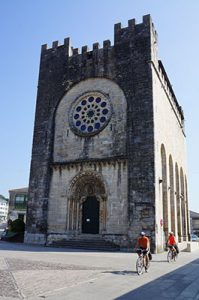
x,y
109,154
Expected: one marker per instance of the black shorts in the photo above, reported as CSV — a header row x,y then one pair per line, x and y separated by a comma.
x,y
142,250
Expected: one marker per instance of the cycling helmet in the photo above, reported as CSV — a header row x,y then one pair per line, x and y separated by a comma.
x,y
142,233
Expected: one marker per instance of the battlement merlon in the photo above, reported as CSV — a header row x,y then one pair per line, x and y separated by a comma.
x,y
124,33
70,51
120,34
56,45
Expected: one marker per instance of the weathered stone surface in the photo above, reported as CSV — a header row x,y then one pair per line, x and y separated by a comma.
x,y
121,164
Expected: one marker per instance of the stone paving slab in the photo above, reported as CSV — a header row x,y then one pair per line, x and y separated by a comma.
x,y
34,283
35,273
8,285
3,264
23,278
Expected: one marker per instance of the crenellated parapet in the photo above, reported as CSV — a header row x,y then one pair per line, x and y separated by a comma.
x,y
170,93
73,51
135,38
120,35
133,29
138,38
56,45
111,60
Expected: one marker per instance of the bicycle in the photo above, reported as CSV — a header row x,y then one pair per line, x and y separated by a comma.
x,y
172,254
141,261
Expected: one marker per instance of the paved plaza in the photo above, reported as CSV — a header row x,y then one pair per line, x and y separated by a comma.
x,y
33,273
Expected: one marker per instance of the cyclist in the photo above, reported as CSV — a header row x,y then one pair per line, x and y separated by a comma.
x,y
171,242
143,243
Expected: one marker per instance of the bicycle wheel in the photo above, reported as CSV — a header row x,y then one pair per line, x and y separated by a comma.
x,y
175,256
139,265
147,266
169,256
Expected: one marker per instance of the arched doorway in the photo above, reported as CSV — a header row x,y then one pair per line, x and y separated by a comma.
x,y
90,215
87,204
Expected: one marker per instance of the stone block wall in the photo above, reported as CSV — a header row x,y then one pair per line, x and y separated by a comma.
x,y
113,175
169,132
110,142
126,64
124,73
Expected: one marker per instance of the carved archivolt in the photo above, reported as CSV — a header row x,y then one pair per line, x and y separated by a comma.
x,y
88,183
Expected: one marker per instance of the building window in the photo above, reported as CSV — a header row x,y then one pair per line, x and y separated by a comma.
x,y
90,114
20,201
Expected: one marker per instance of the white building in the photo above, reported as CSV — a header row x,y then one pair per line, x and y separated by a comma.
x,y
17,204
3,209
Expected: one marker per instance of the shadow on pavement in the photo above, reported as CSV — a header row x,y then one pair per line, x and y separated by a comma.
x,y
180,284
125,272
159,261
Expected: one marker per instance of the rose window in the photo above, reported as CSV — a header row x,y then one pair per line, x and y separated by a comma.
x,y
90,114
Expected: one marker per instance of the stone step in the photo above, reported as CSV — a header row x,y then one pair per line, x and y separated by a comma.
x,y
86,241
88,237
86,244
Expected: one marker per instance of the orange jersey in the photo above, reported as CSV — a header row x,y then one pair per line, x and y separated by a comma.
x,y
143,242
171,240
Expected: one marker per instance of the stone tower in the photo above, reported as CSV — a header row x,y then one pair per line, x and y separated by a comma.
x,y
108,156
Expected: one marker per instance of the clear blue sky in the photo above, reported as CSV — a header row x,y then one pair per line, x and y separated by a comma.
x,y
27,24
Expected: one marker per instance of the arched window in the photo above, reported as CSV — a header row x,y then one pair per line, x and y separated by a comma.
x,y
171,194
183,209
187,207
164,190
179,216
